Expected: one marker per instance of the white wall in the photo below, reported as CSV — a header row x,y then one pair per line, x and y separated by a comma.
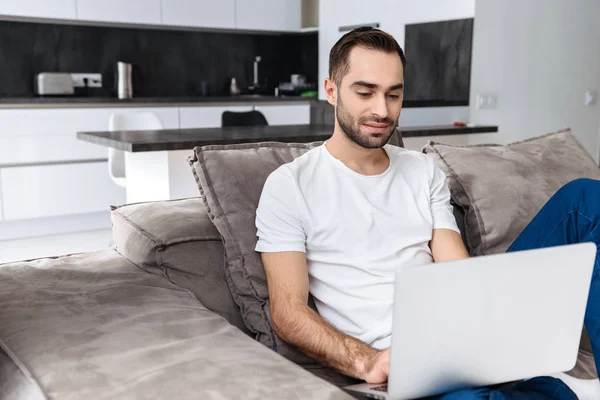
x,y
392,15
538,57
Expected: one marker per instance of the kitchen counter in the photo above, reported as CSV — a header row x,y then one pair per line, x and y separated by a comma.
x,y
86,102
179,101
186,139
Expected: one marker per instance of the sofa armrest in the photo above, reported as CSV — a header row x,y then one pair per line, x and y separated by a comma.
x,y
176,239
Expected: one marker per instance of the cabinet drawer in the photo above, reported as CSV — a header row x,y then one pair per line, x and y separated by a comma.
x,y
60,9
52,148
287,114
205,117
30,136
69,121
53,190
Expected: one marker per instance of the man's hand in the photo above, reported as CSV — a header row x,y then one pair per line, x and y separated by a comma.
x,y
377,368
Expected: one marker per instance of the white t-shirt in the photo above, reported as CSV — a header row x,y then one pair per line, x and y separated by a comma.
x,y
356,230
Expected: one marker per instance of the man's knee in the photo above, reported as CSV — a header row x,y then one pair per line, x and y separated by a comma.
x,y
580,187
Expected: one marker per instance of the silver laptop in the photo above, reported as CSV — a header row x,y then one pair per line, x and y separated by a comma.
x,y
486,320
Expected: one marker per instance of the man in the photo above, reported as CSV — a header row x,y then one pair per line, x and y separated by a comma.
x,y
340,219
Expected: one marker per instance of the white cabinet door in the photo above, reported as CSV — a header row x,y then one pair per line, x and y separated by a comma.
x,y
200,13
276,15
286,114
54,190
57,9
206,117
1,213
354,12
131,11
49,135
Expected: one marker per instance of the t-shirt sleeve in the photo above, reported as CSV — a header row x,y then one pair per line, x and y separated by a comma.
x,y
441,209
278,224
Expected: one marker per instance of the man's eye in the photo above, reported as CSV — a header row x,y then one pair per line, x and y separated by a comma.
x,y
364,94
393,96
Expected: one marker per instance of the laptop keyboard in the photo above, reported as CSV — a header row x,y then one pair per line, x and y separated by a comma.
x,y
381,388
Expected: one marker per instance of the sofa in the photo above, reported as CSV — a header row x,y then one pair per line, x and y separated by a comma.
x,y
178,306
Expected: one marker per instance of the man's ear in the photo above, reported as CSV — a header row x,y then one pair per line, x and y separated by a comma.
x,y
331,91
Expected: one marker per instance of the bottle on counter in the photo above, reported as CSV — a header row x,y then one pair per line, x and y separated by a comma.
x,y
124,85
233,87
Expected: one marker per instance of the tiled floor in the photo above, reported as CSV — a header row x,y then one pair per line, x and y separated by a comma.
x,y
45,246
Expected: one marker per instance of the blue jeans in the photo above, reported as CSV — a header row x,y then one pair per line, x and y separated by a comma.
x,y
572,215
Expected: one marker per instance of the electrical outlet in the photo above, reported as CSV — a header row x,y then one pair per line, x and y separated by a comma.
x,y
486,101
93,80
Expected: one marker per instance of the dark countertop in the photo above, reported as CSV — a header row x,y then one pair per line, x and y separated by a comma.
x,y
75,101
184,139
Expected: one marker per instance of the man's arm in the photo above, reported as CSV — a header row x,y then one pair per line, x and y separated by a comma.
x,y
296,323
447,245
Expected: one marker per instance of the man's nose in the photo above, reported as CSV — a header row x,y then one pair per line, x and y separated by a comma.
x,y
379,106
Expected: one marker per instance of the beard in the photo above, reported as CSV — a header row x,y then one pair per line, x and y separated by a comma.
x,y
351,127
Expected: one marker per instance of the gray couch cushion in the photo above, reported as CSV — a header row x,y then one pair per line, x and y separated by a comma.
x,y
16,381
95,326
177,240
498,189
501,188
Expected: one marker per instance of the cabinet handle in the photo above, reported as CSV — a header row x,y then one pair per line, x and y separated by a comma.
x,y
45,163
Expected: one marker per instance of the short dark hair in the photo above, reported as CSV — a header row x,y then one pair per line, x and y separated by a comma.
x,y
364,36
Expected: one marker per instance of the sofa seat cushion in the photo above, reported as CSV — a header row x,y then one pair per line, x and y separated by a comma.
x,y
177,240
95,326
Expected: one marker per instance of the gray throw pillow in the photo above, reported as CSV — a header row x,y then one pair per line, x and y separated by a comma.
x,y
231,178
500,188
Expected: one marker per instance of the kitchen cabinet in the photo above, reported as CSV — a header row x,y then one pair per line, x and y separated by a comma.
x,y
286,114
199,13
54,190
276,15
354,12
46,172
206,117
1,213
46,149
130,11
56,9
49,136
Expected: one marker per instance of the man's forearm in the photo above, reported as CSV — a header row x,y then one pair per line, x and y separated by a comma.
x,y
307,330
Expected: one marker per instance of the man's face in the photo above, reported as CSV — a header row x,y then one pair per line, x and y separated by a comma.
x,y
372,97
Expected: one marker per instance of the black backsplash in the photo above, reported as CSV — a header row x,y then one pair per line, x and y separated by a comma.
x,y
166,62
